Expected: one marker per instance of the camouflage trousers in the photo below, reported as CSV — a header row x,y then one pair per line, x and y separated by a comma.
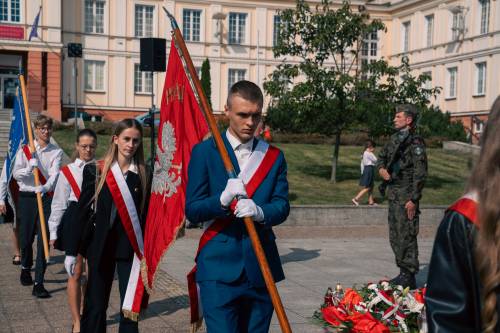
x,y
403,236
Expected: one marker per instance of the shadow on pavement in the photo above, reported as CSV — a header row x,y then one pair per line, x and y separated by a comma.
x,y
298,254
162,307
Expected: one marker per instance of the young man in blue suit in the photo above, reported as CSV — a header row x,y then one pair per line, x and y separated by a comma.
x,y
233,294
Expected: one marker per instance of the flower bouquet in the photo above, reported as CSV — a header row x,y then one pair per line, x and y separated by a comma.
x,y
376,307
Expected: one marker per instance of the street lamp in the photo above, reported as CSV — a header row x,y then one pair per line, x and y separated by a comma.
x,y
219,17
75,51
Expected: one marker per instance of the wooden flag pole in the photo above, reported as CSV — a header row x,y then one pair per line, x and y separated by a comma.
x,y
207,110
35,170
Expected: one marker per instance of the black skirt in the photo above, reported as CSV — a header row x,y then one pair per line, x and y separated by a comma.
x,y
366,179
68,232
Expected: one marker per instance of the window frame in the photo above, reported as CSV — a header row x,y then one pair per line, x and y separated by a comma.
x,y
238,35
9,12
276,28
94,63
406,36
143,31
484,16
235,71
190,37
143,81
451,70
428,83
94,22
480,68
429,30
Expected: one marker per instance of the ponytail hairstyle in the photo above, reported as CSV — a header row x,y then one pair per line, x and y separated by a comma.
x,y
112,155
485,180
83,132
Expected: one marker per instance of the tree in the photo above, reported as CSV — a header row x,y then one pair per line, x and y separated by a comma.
x,y
206,82
328,43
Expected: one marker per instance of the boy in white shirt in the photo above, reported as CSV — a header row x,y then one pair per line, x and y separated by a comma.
x,y
47,159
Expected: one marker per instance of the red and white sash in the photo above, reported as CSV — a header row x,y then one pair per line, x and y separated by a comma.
x,y
41,176
255,171
129,217
66,170
467,206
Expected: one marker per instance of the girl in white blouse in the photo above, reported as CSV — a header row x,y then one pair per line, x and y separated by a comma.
x,y
367,174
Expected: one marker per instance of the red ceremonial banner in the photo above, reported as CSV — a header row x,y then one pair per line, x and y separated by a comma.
x,y
182,125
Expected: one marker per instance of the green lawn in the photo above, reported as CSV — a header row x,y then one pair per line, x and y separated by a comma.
x,y
309,168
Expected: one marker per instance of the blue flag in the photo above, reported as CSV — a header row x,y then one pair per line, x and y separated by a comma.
x,y
34,27
18,133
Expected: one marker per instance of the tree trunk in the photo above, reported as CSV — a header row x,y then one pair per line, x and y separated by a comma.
x,y
336,147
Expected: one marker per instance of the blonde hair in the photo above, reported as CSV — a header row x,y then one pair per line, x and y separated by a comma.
x,y
112,154
485,180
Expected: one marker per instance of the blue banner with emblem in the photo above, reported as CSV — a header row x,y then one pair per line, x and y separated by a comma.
x,y
18,133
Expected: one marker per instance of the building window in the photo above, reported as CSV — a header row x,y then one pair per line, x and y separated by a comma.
x,y
452,82
428,83
369,47
237,25
144,21
234,76
406,36
429,23
10,10
485,16
276,29
191,23
478,126
480,79
143,81
94,16
94,75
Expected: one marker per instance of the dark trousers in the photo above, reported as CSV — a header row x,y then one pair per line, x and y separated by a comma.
x,y
100,279
29,224
235,307
403,236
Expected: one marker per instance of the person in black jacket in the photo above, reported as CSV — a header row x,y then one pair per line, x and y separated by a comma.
x,y
105,243
464,271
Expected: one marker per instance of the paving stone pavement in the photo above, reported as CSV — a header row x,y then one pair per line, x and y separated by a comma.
x,y
313,259
21,312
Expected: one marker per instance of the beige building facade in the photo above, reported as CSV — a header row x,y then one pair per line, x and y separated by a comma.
x,y
456,42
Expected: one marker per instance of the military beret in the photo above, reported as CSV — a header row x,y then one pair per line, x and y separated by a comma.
x,y
408,109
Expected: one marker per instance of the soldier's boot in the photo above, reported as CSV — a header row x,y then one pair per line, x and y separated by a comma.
x,y
408,279
397,280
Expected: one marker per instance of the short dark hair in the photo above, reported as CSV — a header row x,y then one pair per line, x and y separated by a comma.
x,y
369,144
248,91
43,120
409,110
86,132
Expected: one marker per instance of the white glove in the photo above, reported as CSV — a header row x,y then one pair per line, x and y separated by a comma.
x,y
69,264
247,207
33,162
41,189
234,188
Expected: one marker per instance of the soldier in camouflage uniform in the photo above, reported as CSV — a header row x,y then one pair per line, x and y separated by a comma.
x,y
402,164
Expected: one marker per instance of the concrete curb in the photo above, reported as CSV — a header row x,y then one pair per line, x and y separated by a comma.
x,y
342,215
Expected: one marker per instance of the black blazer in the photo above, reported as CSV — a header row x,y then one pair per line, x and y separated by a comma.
x,y
105,238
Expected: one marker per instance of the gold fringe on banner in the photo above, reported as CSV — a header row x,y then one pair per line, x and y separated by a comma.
x,y
131,315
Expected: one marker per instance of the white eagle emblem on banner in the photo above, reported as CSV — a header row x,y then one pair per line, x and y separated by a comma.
x,y
166,176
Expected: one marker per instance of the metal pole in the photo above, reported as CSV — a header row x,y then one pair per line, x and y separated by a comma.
x,y
75,74
151,116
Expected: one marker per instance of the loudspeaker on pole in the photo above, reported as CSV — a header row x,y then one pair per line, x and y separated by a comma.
x,y
153,54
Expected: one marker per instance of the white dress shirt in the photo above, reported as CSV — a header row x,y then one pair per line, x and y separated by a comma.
x,y
369,158
241,150
63,194
49,162
3,185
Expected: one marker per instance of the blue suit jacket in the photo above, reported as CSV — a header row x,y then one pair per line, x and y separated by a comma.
x,y
228,254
